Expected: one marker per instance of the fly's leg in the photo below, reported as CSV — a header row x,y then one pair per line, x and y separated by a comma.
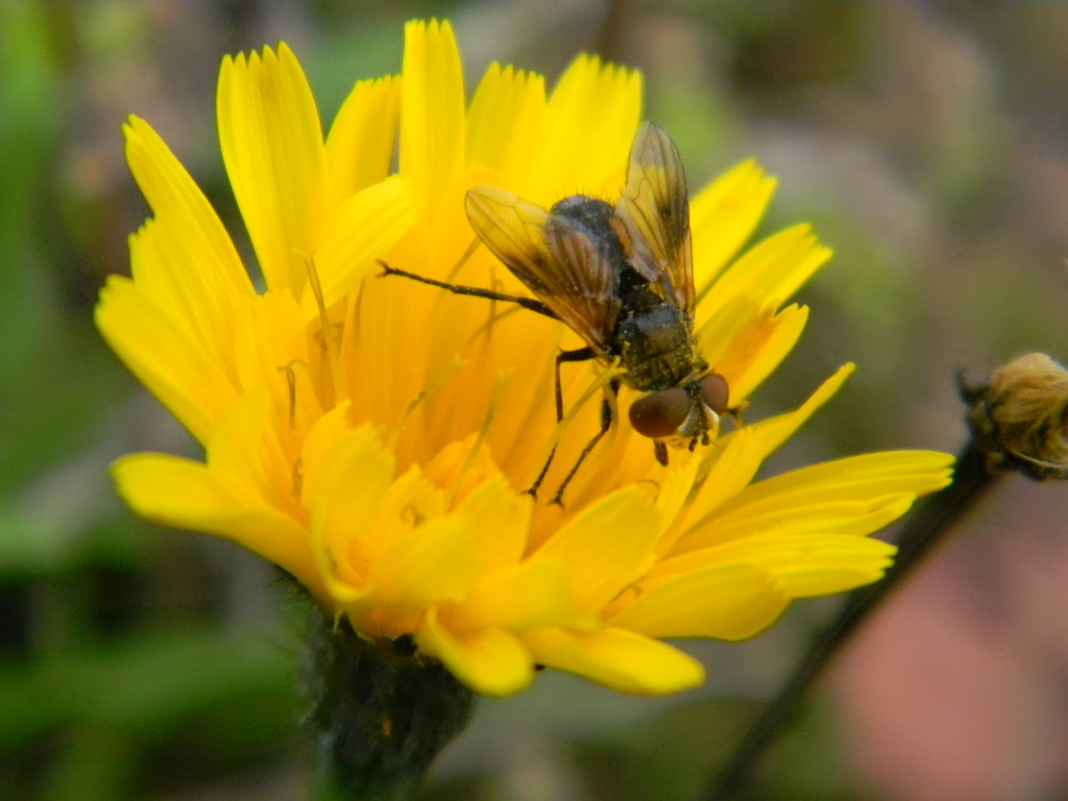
x,y
660,451
577,355
472,291
607,404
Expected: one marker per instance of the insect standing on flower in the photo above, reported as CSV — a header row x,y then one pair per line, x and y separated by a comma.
x,y
622,278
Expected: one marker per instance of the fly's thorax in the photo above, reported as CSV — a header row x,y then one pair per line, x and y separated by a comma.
x,y
655,347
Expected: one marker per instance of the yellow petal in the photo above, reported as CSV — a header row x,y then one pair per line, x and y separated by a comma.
x,y
784,426
803,564
363,229
740,454
172,365
432,96
273,349
853,518
410,501
619,659
673,493
593,112
829,567
716,336
525,596
723,215
174,278
490,661
272,145
730,601
500,520
860,477
206,255
847,496
857,518
433,562
383,356
606,546
856,496
184,494
736,462
758,348
359,148
345,478
506,123
775,269
248,455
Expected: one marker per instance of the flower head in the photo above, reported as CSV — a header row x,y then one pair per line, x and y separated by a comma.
x,y
374,437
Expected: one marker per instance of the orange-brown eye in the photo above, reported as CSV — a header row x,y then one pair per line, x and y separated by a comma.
x,y
715,392
659,414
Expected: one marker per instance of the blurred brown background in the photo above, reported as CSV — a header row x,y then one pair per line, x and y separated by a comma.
x,y
928,144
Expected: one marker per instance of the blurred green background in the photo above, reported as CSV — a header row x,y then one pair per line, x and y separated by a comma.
x,y
927,142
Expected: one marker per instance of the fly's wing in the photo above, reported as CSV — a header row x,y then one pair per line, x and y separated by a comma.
x,y
656,212
556,262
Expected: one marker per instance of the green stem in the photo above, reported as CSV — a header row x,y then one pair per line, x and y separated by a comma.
x,y
378,713
925,528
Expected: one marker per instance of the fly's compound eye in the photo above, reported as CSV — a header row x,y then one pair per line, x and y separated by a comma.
x,y
715,393
659,414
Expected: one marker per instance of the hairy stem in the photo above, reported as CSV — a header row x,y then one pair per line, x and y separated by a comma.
x,y
378,713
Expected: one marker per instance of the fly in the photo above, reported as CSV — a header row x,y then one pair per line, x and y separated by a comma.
x,y
621,277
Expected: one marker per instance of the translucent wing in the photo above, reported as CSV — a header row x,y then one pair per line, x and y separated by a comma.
x,y
655,210
555,261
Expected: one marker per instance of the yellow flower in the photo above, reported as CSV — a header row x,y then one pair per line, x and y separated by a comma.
x,y
373,436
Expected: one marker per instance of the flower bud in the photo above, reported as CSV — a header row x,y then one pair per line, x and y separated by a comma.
x,y
1020,417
